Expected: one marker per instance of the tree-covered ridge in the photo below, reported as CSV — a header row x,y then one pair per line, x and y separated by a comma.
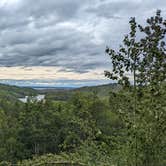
x,y
66,94
15,92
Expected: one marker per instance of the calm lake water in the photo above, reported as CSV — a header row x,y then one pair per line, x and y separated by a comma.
x,y
37,98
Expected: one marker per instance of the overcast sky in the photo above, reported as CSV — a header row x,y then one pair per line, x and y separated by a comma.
x,y
62,42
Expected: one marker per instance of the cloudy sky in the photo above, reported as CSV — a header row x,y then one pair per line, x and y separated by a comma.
x,y
62,42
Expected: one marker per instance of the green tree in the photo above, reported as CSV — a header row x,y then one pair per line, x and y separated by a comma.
x,y
140,66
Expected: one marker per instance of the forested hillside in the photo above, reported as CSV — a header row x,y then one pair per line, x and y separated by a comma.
x,y
101,91
55,127
15,92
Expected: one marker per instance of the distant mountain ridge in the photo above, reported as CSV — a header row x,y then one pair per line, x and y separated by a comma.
x,y
55,93
64,94
48,87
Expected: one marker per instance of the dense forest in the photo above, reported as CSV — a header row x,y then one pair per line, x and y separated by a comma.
x,y
121,124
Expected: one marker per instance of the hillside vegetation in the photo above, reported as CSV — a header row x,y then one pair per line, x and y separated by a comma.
x,y
15,92
101,91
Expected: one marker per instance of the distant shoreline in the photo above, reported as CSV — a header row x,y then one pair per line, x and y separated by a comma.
x,y
44,87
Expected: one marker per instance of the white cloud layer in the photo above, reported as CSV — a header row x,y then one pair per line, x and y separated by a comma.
x,y
47,73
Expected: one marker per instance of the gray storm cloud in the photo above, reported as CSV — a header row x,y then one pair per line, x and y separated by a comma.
x,y
71,34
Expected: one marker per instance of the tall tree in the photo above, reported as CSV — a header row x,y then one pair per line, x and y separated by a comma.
x,y
141,65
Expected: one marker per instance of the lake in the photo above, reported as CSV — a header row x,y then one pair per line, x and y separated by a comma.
x,y
36,98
